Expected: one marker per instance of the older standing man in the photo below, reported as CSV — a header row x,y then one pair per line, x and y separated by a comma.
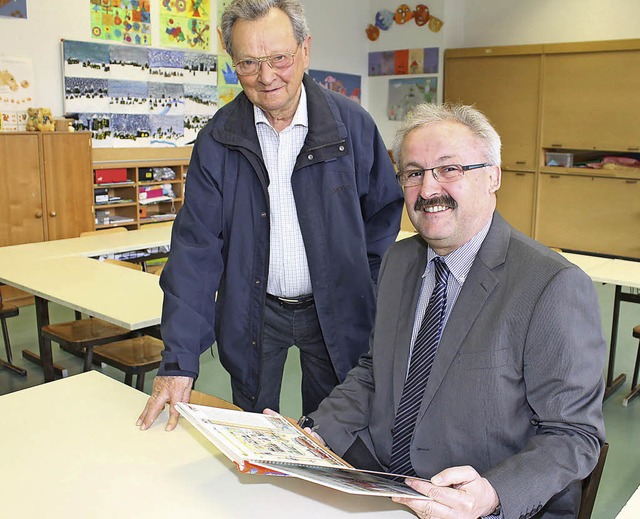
x,y
290,204
485,367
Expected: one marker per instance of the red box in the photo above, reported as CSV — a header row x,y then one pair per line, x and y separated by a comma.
x,y
108,176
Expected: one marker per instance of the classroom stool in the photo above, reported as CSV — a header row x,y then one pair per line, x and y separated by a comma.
x,y
6,311
635,389
134,356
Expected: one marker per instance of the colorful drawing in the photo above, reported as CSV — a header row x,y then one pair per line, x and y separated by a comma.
x,y
406,93
186,23
127,21
13,8
169,94
404,61
348,85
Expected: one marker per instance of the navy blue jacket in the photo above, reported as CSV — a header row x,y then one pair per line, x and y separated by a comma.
x,y
349,207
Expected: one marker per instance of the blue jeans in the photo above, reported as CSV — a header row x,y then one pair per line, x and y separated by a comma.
x,y
284,328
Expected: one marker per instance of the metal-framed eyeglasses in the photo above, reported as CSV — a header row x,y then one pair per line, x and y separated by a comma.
x,y
443,174
251,66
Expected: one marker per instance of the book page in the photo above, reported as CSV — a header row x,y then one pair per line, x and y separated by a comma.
x,y
350,480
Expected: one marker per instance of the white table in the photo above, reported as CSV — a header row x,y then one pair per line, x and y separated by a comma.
x,y
71,449
63,271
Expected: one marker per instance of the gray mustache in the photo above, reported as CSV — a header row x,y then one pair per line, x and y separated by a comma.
x,y
445,200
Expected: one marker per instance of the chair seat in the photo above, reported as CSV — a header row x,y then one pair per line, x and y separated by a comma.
x,y
8,310
636,332
135,354
84,332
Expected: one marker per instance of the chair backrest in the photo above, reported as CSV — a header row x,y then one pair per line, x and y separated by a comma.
x,y
199,398
126,264
108,230
590,485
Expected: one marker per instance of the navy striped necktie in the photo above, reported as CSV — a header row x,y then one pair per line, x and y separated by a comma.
x,y
422,355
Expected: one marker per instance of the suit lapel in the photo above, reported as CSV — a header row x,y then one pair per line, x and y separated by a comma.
x,y
477,288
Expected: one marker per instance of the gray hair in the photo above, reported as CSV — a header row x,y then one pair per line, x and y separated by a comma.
x,y
250,10
430,113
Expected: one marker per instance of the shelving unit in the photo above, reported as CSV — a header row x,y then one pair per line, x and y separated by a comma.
x,y
125,206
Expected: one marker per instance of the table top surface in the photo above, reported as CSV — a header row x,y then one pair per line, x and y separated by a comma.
x,y
64,272
71,447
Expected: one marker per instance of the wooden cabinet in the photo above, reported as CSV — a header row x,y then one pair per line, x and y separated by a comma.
x,y
45,187
577,99
590,212
511,77
516,198
154,188
590,99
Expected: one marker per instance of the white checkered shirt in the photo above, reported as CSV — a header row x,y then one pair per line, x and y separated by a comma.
x,y
288,266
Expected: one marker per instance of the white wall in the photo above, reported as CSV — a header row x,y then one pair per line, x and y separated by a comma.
x,y
519,22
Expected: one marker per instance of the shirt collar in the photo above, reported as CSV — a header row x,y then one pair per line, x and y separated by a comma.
x,y
300,118
460,260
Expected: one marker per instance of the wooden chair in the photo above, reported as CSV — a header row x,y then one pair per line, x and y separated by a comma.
x,y
134,356
108,230
79,337
635,388
8,310
590,485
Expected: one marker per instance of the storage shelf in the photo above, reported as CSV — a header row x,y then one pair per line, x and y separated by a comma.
x,y
137,161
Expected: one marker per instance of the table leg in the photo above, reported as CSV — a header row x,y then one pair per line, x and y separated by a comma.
x,y
45,359
614,383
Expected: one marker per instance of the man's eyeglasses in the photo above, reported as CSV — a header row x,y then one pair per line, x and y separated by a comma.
x,y
251,66
443,174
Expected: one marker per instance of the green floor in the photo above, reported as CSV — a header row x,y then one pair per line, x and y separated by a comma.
x,y
622,471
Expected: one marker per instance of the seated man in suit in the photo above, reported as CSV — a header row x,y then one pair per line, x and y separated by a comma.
x,y
484,372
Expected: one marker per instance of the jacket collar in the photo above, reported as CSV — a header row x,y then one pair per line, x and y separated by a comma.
x,y
236,126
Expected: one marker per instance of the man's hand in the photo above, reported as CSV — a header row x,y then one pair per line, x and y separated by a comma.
x,y
455,492
165,390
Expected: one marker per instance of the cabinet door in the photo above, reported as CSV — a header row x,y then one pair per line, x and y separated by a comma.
x,y
590,214
591,101
69,184
506,89
515,199
21,209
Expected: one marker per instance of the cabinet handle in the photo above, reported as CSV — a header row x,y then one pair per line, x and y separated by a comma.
x,y
555,176
632,181
38,214
520,174
53,214
556,145
521,161
634,148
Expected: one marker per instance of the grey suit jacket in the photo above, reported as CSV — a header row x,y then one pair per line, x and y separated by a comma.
x,y
516,387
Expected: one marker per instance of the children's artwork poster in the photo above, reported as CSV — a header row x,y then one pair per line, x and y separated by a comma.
x,y
126,21
136,96
16,92
13,8
404,61
348,85
406,93
228,85
186,24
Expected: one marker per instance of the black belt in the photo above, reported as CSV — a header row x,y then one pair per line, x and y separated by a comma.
x,y
293,303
